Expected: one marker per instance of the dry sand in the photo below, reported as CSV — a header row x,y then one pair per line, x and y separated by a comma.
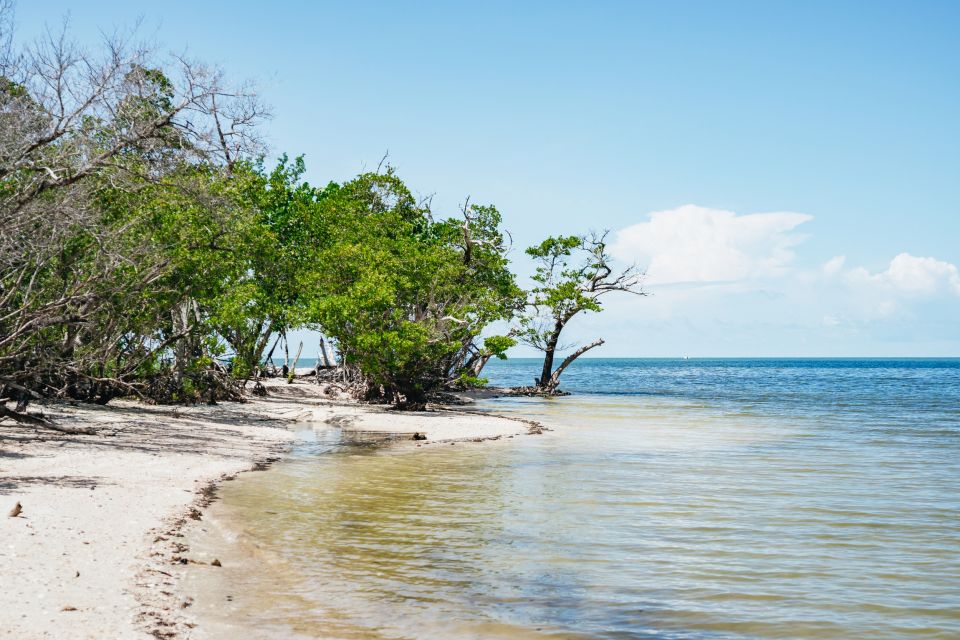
x,y
90,553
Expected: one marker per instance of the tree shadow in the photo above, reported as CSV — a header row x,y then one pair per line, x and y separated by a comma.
x,y
14,454
210,431
8,484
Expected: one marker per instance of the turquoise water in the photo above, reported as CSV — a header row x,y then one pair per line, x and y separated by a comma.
x,y
674,499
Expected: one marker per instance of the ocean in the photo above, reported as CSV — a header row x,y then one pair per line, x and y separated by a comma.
x,y
789,498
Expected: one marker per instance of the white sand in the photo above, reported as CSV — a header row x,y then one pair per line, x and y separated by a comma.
x,y
435,426
89,555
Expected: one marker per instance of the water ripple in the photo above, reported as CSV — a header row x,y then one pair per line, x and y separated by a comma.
x,y
703,499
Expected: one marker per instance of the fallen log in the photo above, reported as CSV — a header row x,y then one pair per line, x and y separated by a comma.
x,y
40,421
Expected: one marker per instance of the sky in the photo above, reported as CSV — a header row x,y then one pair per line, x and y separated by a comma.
x,y
788,174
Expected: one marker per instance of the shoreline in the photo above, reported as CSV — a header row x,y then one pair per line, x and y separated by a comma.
x,y
102,514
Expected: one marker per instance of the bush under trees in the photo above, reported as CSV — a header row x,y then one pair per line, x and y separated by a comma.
x,y
406,296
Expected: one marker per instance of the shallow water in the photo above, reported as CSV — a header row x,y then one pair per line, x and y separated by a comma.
x,y
699,499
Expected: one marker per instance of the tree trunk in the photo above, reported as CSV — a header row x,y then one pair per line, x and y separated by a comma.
x,y
480,363
293,369
268,361
554,380
180,320
249,343
549,353
323,351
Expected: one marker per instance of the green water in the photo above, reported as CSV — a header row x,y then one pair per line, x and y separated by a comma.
x,y
638,517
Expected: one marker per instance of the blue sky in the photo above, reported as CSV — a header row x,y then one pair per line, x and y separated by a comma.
x,y
835,120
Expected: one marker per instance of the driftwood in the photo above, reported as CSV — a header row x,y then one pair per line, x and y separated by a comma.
x,y
40,421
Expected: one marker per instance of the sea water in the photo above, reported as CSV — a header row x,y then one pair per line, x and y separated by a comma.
x,y
673,499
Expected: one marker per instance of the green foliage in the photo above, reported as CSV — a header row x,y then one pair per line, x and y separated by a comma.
x,y
497,346
125,226
405,296
143,243
278,255
572,274
559,292
466,381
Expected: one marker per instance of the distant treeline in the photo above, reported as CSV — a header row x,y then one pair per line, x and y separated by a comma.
x,y
143,240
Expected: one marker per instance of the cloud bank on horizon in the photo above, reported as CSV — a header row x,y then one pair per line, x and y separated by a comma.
x,y
730,279
906,274
697,245
692,244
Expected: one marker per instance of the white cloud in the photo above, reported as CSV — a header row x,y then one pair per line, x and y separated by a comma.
x,y
831,320
910,275
834,265
694,244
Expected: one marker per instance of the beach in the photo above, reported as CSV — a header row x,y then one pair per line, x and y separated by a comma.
x,y
90,554
664,499
419,321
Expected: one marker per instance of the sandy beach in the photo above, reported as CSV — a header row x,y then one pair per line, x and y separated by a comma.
x,y
89,555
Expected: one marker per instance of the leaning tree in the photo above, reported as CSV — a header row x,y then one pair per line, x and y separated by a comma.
x,y
573,273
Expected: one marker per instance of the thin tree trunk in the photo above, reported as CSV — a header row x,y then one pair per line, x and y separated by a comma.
x,y
555,378
293,369
547,366
269,358
323,350
260,342
182,347
480,363
549,354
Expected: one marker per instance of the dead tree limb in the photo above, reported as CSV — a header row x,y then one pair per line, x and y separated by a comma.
x,y
39,421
